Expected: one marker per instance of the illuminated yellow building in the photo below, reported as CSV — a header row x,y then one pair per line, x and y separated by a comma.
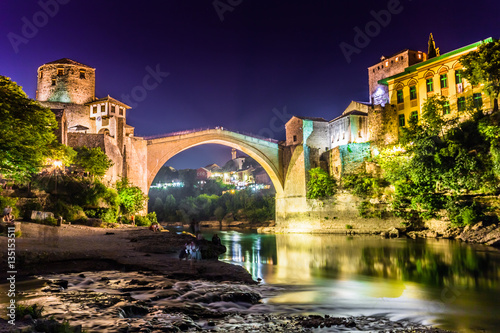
x,y
440,75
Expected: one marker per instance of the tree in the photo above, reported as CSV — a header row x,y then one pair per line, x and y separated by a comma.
x,y
26,132
93,161
483,66
320,184
132,200
219,213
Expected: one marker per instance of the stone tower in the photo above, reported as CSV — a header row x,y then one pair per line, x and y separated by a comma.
x,y
65,81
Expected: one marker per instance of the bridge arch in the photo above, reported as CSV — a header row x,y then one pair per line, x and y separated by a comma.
x,y
266,153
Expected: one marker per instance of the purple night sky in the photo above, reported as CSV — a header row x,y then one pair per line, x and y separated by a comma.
x,y
262,56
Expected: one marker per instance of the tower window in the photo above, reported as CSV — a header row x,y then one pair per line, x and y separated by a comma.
x,y
294,138
53,82
121,112
60,71
82,73
41,73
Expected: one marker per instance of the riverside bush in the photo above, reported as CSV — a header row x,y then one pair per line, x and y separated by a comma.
x,y
34,310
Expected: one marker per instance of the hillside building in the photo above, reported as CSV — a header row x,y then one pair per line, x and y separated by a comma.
x,y
67,87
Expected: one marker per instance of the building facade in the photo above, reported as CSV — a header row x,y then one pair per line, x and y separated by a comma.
x,y
438,76
67,87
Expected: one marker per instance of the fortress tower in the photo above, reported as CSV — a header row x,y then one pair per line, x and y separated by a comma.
x,y
65,81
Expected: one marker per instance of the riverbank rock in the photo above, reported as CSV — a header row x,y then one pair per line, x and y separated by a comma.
x,y
489,235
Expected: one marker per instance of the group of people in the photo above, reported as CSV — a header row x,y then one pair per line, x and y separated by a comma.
x,y
155,227
7,215
190,251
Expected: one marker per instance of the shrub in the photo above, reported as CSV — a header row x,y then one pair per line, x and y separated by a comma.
x,y
34,310
69,212
142,221
109,216
9,201
348,226
152,217
363,185
30,206
462,213
320,184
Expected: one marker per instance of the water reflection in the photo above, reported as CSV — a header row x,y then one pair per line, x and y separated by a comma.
x,y
443,282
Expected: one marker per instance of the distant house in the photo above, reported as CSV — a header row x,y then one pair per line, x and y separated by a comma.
x,y
262,178
203,173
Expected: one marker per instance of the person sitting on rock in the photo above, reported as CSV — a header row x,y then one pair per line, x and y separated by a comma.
x,y
216,240
184,253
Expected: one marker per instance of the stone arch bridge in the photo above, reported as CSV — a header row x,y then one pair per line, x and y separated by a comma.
x,y
285,162
267,152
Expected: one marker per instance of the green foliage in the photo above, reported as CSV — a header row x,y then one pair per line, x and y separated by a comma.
x,y
9,201
109,216
132,200
142,221
363,184
63,153
29,206
26,132
438,159
348,226
34,310
93,160
483,66
219,213
152,217
246,204
320,184
69,212
463,213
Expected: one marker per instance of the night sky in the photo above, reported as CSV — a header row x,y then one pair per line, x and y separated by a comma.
x,y
232,66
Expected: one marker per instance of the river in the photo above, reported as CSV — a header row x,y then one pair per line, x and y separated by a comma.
x,y
444,283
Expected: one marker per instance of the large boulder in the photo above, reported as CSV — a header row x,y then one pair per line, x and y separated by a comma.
x,y
210,250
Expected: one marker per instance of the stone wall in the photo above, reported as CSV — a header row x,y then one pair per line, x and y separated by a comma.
x,y
347,158
68,87
87,140
383,125
75,114
333,216
136,166
294,131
